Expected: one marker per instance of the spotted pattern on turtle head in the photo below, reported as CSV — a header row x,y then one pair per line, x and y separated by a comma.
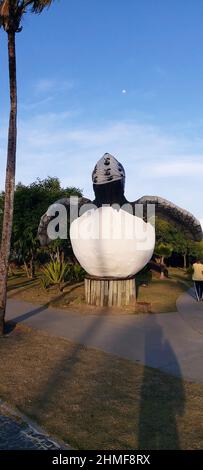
x,y
108,169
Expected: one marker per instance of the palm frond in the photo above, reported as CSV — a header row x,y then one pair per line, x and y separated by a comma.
x,y
4,13
39,5
11,11
4,8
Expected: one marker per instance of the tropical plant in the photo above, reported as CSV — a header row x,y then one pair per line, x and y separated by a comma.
x,y
11,14
26,248
54,273
44,282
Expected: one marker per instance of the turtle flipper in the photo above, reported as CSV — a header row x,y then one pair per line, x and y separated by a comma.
x,y
181,218
45,219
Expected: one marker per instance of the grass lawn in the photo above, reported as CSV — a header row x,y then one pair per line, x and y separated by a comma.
x,y
161,294
94,400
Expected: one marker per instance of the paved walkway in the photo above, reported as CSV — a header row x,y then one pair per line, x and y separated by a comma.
x,y
17,433
172,342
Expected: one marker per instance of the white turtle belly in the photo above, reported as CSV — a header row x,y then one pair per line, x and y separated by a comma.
x,y
111,243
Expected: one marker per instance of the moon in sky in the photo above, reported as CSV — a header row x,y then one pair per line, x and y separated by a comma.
x,y
124,91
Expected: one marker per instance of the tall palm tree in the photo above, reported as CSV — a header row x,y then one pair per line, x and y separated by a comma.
x,y
11,14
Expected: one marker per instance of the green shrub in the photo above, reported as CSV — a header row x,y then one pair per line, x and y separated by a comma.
x,y
189,272
54,273
144,275
74,273
44,282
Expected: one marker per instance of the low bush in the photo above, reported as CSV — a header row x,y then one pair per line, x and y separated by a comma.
x,y
189,272
74,273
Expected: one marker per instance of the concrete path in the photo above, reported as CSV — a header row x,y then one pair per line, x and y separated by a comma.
x,y
172,342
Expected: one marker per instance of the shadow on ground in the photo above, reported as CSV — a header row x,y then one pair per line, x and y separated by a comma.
x,y
91,402
161,402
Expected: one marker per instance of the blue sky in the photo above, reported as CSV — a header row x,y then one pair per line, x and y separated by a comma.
x,y
75,60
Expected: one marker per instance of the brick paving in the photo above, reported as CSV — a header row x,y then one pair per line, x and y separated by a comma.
x,y
16,433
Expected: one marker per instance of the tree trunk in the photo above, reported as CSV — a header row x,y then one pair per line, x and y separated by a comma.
x,y
162,275
10,180
26,269
185,260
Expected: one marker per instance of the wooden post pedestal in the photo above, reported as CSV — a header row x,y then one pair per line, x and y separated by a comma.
x,y
110,292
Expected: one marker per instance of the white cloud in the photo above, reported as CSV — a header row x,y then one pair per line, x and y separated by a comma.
x,y
44,85
47,85
178,167
156,162
45,91
28,106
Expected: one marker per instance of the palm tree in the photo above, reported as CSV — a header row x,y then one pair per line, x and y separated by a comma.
x,y
11,14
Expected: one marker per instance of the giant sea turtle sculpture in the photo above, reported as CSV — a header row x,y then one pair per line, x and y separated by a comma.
x,y
110,238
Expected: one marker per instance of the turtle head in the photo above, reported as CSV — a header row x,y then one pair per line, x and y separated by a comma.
x,y
109,180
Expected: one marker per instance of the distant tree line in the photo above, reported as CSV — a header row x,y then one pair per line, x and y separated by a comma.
x,y
30,203
174,246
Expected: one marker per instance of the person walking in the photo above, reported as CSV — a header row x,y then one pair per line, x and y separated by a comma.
x,y
198,279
